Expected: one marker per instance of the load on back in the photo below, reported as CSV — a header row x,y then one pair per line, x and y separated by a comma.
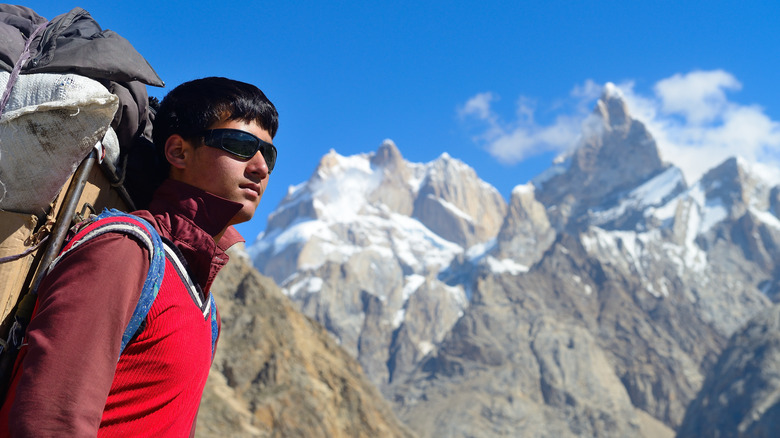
x,y
64,110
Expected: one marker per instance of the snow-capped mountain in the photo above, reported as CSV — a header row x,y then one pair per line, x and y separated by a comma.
x,y
591,304
360,246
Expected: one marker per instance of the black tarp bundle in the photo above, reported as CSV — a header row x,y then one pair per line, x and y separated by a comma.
x,y
75,43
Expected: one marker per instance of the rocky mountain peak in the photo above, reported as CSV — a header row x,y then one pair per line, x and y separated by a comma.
x,y
774,201
454,203
615,154
395,191
444,167
526,232
734,184
731,169
387,156
329,164
612,108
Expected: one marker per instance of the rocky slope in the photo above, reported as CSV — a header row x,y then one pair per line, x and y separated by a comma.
x,y
279,374
741,395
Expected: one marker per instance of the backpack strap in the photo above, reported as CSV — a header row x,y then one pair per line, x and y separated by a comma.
x,y
115,221
119,222
159,248
214,324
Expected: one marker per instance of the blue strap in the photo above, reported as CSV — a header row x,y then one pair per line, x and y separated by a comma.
x,y
153,279
152,240
214,324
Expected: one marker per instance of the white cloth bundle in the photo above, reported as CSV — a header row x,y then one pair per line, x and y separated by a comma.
x,y
49,125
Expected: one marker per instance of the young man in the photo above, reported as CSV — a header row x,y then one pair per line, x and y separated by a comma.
x,y
216,135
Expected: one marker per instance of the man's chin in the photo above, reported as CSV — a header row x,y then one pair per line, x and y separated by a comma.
x,y
241,217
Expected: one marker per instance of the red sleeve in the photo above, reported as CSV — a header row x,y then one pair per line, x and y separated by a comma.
x,y
84,305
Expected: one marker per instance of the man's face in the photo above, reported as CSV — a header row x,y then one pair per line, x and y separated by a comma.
x,y
228,176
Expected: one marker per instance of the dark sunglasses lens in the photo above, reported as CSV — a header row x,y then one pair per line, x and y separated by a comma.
x,y
242,145
269,155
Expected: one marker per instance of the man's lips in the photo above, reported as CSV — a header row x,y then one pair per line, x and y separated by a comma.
x,y
253,187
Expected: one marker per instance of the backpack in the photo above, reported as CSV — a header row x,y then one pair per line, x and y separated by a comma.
x,y
110,220
84,112
50,121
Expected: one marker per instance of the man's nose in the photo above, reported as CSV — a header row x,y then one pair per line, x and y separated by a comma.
x,y
258,166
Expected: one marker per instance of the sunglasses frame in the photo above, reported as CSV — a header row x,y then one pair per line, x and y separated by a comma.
x,y
214,138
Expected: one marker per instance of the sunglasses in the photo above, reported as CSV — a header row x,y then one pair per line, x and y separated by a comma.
x,y
241,144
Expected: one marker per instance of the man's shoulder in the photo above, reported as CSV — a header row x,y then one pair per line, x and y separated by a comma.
x,y
112,237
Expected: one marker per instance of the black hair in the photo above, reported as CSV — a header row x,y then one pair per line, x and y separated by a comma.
x,y
194,106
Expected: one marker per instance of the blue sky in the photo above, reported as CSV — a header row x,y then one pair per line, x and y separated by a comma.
x,y
502,86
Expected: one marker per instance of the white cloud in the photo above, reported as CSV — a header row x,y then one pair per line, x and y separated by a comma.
x,y
588,91
695,123
698,127
700,96
478,106
513,141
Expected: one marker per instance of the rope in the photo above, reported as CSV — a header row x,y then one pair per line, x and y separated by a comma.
x,y
23,57
11,258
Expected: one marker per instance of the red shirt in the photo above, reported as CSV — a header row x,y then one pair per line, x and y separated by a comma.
x,y
70,383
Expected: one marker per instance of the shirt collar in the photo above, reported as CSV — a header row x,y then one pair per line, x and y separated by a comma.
x,y
209,212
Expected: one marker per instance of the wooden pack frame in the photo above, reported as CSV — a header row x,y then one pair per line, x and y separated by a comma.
x,y
90,189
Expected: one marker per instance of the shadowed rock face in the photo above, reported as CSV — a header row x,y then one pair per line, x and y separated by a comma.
x,y
455,204
741,395
616,154
526,231
279,374
575,347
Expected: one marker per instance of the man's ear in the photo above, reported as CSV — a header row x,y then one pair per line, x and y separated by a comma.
x,y
177,151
